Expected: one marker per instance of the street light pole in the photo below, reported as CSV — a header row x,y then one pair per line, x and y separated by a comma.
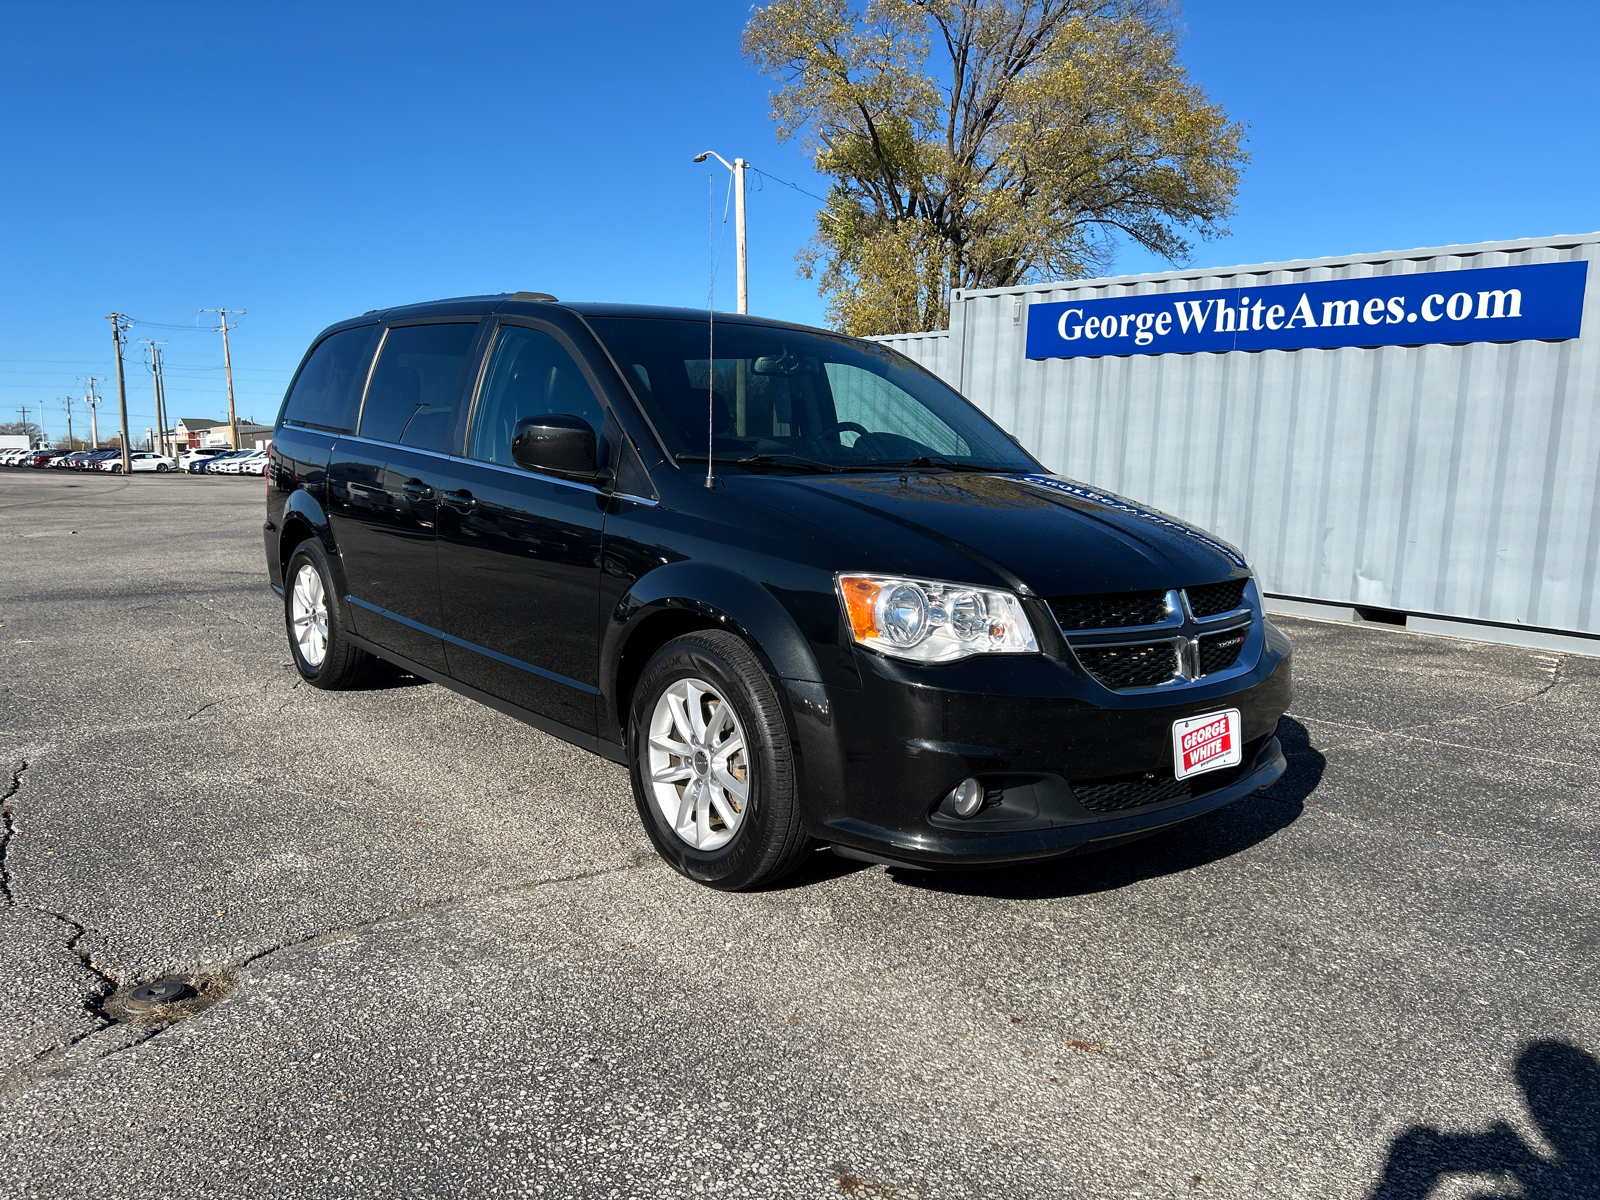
x,y
737,166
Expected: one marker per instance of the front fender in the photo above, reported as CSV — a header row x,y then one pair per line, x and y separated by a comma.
x,y
720,595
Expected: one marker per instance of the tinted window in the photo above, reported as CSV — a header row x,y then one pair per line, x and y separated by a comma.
x,y
530,374
834,401
409,399
327,391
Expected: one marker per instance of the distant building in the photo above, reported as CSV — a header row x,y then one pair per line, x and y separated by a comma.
x,y
192,432
197,433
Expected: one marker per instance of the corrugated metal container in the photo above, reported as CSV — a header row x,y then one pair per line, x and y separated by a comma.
x,y
928,350
1453,480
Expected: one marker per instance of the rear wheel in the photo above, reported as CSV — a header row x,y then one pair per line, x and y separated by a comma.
x,y
712,767
317,639
160,467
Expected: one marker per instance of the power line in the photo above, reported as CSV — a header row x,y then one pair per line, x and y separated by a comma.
x,y
787,184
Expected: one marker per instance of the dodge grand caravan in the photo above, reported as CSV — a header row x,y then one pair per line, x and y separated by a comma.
x,y
802,589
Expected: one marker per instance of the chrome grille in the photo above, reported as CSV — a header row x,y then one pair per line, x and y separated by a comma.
x,y
1110,611
1132,640
1140,664
1211,599
1219,651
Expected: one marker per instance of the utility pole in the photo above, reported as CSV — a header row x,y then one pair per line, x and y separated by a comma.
x,y
119,325
227,366
24,411
93,402
155,376
161,401
70,446
737,166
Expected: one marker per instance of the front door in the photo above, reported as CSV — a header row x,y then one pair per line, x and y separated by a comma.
x,y
519,554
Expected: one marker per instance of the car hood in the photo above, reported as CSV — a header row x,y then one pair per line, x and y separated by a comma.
x,y
1053,535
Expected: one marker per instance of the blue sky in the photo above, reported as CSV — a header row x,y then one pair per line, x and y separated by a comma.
x,y
309,162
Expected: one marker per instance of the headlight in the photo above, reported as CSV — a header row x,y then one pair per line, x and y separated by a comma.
x,y
926,621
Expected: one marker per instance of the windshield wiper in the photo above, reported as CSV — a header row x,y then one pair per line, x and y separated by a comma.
x,y
764,460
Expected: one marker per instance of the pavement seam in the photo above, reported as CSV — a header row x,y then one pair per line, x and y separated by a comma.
x,y
1376,735
48,1063
332,935
7,828
1408,730
105,984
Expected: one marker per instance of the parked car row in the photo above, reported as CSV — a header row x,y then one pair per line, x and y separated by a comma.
x,y
87,460
224,462
196,462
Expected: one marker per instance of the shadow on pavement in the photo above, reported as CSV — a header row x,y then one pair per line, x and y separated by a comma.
x,y
1206,839
1561,1086
381,676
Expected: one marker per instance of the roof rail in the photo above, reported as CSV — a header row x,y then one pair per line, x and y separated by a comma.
x,y
545,296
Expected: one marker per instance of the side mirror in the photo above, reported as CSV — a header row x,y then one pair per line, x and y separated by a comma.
x,y
556,444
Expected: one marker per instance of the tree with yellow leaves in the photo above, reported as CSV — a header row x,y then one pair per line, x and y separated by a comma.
x,y
985,143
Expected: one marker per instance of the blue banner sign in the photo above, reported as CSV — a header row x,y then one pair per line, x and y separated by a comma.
x,y
1485,304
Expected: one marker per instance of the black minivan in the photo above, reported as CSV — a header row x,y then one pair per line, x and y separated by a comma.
x,y
800,587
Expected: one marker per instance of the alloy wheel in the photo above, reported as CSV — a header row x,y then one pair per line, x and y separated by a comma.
x,y
308,615
698,764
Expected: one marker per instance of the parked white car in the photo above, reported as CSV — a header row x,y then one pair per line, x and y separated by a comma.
x,y
144,460
233,463
189,457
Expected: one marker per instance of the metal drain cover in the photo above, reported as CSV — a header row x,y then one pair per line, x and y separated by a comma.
x,y
160,991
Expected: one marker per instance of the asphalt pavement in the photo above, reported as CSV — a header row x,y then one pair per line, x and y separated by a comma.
x,y
435,954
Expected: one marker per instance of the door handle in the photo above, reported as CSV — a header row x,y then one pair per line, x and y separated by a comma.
x,y
461,501
415,489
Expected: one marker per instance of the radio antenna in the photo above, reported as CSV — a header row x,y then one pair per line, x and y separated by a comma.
x,y
711,329
715,251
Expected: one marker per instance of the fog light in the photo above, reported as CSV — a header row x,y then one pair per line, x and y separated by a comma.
x,y
967,798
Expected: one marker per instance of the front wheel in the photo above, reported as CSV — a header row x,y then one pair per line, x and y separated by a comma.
x,y
711,764
317,639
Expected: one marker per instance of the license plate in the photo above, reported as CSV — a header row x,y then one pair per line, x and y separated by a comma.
x,y
1206,743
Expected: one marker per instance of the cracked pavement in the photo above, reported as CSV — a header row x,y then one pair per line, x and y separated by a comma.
x,y
453,966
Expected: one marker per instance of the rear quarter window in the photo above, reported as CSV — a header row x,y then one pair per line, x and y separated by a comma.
x,y
327,392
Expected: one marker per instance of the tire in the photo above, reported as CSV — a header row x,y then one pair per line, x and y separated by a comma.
x,y
160,468
306,582
767,841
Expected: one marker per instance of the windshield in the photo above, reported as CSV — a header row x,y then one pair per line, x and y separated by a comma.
x,y
786,398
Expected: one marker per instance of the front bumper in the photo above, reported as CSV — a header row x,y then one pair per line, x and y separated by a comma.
x,y
875,762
